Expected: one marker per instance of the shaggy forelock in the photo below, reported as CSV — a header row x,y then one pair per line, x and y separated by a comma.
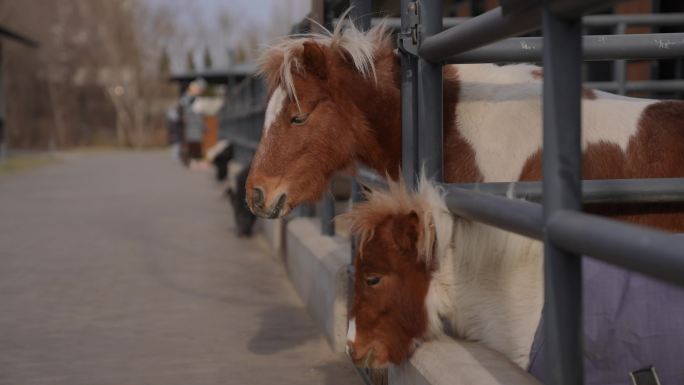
x,y
278,63
398,200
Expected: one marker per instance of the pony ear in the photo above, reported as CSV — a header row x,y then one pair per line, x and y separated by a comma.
x,y
406,230
314,60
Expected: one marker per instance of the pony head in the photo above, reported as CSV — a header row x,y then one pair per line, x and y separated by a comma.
x,y
313,125
393,271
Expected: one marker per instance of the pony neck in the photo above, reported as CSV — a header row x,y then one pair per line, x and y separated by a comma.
x,y
380,106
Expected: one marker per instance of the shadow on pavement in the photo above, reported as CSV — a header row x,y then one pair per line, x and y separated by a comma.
x,y
282,328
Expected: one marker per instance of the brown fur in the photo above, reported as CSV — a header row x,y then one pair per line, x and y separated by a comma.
x,y
459,157
654,152
392,313
337,133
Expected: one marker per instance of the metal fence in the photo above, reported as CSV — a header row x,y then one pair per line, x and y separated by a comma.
x,y
558,221
242,117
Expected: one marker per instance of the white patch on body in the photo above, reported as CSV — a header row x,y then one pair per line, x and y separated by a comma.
x,y
274,107
488,286
499,113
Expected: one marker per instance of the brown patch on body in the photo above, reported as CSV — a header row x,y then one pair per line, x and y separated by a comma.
x,y
460,165
655,151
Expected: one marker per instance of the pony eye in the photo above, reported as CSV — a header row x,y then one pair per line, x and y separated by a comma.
x,y
372,281
299,119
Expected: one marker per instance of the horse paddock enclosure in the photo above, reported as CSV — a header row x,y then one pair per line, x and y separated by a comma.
x,y
318,264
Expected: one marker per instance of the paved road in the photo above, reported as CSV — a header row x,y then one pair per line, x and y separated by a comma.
x,y
121,269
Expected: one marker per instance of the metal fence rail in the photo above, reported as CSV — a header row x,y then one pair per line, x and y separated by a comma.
x,y
664,20
595,48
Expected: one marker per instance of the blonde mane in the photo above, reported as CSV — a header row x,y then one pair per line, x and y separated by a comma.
x,y
436,223
278,63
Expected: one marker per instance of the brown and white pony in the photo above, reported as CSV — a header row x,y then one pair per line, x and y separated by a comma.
x,y
335,104
420,271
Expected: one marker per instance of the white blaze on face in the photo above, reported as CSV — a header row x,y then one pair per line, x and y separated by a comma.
x,y
275,105
351,330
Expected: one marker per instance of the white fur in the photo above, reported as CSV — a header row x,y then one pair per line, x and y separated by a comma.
x,y
273,109
351,330
489,283
499,113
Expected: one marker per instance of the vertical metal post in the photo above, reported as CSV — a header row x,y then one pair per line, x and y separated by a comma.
x,y
317,14
327,215
361,14
562,175
409,107
430,95
356,196
620,66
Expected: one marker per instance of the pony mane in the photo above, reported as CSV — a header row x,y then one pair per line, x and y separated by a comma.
x,y
436,222
278,62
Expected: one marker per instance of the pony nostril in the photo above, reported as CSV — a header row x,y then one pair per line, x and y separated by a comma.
x,y
258,197
278,206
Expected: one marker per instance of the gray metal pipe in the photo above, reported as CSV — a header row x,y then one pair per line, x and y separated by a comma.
x,y
327,215
429,96
409,102
645,86
656,190
495,25
648,251
524,218
477,32
361,13
645,19
595,48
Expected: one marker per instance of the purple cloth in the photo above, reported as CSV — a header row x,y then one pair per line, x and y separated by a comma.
x,y
630,322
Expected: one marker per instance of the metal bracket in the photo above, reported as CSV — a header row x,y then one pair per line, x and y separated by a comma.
x,y
407,40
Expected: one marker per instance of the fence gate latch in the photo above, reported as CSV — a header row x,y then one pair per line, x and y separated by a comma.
x,y
407,39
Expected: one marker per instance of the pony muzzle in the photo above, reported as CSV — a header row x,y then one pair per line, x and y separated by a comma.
x,y
261,206
366,362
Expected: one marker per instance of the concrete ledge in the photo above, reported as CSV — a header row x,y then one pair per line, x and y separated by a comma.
x,y
318,269
451,362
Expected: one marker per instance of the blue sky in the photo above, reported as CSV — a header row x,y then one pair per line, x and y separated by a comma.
x,y
263,18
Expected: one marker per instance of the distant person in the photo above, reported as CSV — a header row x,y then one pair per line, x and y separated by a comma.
x,y
193,122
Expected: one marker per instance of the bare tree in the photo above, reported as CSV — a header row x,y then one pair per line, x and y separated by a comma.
x,y
94,78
